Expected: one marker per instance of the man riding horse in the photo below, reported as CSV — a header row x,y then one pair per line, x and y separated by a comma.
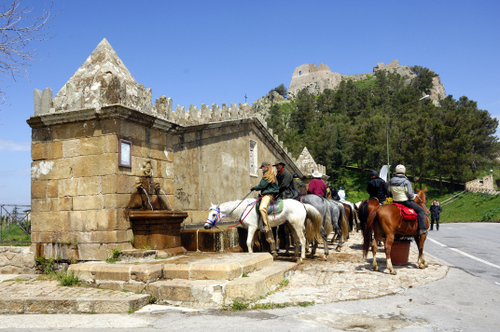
x,y
377,187
402,193
285,182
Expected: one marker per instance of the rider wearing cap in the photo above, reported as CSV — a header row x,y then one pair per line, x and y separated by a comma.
x,y
377,187
299,185
402,193
285,182
268,187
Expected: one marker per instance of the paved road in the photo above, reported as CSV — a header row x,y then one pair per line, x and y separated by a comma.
x,y
461,301
473,247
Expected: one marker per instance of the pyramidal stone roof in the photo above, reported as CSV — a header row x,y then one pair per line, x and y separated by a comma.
x,y
102,80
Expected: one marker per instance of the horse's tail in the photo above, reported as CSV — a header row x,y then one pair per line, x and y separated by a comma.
x,y
363,215
327,220
344,225
368,233
313,228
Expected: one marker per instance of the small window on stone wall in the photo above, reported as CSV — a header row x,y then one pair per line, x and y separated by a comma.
x,y
253,158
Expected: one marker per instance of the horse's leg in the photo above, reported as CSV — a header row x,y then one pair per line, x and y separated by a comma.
x,y
422,264
338,231
374,252
272,243
302,241
388,245
250,236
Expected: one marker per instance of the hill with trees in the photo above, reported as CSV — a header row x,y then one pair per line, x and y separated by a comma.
x,y
354,123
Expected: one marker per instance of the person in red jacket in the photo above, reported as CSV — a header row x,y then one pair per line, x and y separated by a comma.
x,y
317,186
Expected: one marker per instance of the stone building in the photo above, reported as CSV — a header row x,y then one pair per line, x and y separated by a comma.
x,y
482,185
92,141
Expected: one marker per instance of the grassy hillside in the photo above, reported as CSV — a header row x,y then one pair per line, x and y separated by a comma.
x,y
466,207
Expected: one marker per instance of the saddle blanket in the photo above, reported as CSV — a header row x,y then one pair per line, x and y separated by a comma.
x,y
275,208
406,213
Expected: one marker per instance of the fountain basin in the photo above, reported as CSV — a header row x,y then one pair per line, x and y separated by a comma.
x,y
157,229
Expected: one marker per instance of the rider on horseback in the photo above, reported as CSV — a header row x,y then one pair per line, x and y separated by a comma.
x,y
402,193
377,187
317,186
268,187
285,182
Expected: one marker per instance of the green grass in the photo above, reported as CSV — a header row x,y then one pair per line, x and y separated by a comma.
x,y
470,207
16,234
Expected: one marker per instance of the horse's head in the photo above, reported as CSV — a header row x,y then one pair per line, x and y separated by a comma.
x,y
421,198
214,215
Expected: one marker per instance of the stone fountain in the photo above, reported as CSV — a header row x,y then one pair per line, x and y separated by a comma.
x,y
154,223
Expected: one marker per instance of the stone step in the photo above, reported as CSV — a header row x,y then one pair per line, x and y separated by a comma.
x,y
208,280
193,266
32,296
218,293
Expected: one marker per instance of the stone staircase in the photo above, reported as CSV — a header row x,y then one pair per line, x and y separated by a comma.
x,y
195,279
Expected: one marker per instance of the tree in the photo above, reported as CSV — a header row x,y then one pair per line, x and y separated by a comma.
x,y
280,89
20,29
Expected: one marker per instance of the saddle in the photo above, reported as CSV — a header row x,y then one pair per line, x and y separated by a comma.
x,y
407,214
275,207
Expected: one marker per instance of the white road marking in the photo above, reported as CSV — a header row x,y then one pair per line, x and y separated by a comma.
x,y
465,254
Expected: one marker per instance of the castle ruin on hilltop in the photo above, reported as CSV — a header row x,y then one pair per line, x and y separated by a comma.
x,y
318,78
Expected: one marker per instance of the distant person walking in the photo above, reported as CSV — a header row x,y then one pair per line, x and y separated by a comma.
x,y
436,209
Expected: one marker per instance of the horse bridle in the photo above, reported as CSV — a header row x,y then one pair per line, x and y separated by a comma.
x,y
212,222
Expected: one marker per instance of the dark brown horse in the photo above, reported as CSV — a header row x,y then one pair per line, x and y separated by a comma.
x,y
386,222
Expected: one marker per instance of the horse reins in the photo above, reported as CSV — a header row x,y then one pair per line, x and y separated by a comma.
x,y
212,222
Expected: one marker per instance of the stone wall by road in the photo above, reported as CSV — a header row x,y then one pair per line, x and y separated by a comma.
x,y
16,260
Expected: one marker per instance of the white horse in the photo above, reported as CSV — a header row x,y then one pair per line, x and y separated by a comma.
x,y
294,212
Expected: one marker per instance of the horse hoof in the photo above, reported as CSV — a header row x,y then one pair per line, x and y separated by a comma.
x,y
393,272
337,249
275,254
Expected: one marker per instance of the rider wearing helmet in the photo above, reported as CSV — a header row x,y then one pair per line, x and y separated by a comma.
x,y
377,187
402,193
268,187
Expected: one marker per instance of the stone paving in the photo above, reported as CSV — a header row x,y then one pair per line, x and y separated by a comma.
x,y
26,294
343,276
348,276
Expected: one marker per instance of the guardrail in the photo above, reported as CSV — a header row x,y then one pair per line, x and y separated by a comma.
x,y
15,224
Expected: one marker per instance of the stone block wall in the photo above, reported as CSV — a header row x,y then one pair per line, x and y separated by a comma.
x,y
79,192
483,185
16,260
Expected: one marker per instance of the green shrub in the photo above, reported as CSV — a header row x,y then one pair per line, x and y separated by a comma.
x,y
67,279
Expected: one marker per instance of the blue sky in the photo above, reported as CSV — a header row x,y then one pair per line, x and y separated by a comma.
x,y
219,51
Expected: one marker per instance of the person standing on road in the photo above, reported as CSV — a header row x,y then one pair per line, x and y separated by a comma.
x,y
435,209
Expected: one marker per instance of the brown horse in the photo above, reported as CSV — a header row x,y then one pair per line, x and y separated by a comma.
x,y
386,222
